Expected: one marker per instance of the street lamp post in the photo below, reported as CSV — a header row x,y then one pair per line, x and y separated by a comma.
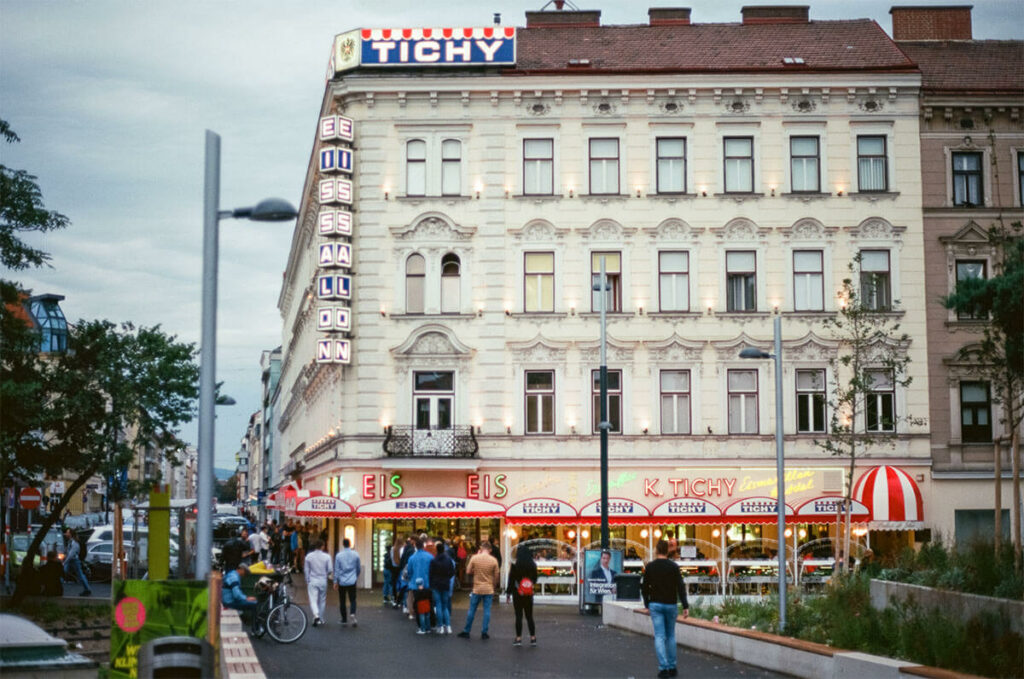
x,y
601,286
780,467
269,210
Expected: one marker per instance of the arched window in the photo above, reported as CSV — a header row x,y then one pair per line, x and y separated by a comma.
x,y
451,167
451,270
416,168
415,273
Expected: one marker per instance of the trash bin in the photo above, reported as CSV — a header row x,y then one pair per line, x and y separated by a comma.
x,y
627,587
183,657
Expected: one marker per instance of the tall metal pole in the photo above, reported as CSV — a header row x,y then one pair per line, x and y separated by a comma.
x,y
604,425
208,357
780,470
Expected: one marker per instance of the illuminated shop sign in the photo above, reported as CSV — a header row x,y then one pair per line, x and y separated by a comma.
x,y
756,506
333,351
334,319
335,255
335,191
334,287
486,46
616,507
335,159
686,507
333,222
337,128
432,506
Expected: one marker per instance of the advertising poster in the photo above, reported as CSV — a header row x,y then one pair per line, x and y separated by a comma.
x,y
149,609
599,570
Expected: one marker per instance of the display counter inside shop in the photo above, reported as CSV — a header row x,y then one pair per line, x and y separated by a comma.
x,y
556,577
816,571
754,576
702,576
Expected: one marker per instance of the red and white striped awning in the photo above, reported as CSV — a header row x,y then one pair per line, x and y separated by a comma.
x,y
893,498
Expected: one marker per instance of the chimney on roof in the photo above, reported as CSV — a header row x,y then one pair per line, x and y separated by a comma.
x,y
563,18
950,22
669,16
776,14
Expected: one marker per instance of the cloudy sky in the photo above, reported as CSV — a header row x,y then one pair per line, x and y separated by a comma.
x,y
111,100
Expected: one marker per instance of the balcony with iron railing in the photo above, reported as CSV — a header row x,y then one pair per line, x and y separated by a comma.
x,y
409,441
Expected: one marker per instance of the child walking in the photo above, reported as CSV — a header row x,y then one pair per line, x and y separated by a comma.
x,y
422,598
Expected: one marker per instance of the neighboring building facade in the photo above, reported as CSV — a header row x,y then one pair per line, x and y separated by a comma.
x,y
723,172
269,445
972,155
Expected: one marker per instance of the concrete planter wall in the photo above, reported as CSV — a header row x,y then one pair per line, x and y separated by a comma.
x,y
953,604
772,652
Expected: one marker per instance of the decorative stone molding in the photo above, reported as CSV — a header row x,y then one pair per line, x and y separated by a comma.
x,y
810,347
877,228
432,341
675,349
538,230
808,229
606,230
741,229
619,351
728,350
433,226
538,350
673,229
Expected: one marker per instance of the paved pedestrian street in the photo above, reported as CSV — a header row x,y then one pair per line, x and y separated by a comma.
x,y
385,644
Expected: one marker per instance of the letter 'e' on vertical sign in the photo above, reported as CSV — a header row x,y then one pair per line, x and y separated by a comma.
x,y
337,128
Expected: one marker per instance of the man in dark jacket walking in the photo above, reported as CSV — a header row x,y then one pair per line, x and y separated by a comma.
x,y
662,585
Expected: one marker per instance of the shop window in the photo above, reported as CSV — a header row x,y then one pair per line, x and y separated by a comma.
x,y
675,402
415,276
540,402
434,399
451,279
674,281
416,168
741,281
671,167
739,164
808,280
880,405
875,280
604,166
810,401
968,270
742,385
967,180
613,275
614,400
451,167
804,162
539,282
538,167
872,164
975,412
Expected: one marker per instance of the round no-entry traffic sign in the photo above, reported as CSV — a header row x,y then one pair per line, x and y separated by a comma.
x,y
30,498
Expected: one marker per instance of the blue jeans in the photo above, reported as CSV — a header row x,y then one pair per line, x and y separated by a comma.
x,y
442,605
73,567
389,589
663,616
474,601
424,620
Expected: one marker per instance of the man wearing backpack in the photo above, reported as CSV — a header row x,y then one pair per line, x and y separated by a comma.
x,y
522,577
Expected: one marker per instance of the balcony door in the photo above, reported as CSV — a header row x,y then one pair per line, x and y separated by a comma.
x,y
434,400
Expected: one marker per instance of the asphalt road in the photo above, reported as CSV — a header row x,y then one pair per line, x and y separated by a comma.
x,y
385,644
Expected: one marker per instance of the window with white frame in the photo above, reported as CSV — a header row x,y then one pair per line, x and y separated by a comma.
x,y
434,399
415,277
739,164
675,402
810,401
671,166
742,387
540,402
967,179
451,167
880,405
614,401
975,412
604,166
416,167
741,280
539,282
967,269
451,283
674,281
872,164
613,276
805,164
538,167
808,280
875,280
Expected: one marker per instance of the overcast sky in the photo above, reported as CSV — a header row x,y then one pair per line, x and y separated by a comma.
x,y
111,100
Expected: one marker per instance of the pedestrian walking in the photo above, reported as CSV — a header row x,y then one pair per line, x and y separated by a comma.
x,y
346,572
317,568
387,573
483,568
522,577
442,570
264,543
73,562
421,599
418,566
405,585
662,586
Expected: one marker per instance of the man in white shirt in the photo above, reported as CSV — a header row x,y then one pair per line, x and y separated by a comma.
x,y
317,569
255,543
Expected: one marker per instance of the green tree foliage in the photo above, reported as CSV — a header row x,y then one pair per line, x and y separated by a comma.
x,y
227,490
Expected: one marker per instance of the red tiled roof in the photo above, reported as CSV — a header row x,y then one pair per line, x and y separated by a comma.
x,y
968,65
823,45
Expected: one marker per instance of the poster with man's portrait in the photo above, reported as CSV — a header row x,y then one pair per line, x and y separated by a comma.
x,y
600,567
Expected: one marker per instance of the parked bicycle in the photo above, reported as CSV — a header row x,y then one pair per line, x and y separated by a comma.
x,y
276,615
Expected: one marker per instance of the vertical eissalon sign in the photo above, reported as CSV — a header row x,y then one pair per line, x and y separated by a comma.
x,y
486,46
334,249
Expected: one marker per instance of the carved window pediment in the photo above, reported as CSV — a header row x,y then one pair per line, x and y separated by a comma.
x,y
675,349
618,351
539,350
606,230
876,228
433,227
675,230
538,230
741,229
728,350
432,341
810,347
809,230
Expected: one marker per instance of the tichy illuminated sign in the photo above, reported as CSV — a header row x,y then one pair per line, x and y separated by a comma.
x,y
486,46
334,287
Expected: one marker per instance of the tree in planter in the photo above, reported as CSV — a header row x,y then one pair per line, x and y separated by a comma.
x,y
869,366
117,387
999,357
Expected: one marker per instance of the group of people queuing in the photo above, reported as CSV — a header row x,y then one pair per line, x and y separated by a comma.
x,y
280,544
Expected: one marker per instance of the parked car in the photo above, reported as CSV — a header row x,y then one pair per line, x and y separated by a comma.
x,y
20,542
106,534
101,557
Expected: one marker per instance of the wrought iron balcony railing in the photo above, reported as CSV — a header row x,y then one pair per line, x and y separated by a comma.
x,y
409,441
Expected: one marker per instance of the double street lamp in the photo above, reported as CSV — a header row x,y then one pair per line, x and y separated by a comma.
x,y
780,468
269,210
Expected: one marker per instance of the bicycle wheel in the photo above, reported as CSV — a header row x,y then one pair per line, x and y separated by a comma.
x,y
286,623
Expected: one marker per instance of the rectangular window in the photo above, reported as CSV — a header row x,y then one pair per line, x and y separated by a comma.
x,y
416,168
804,162
433,398
604,166
451,167
540,402
614,401
975,412
808,281
674,281
810,401
613,274
872,165
967,179
875,280
742,401
671,165
538,167
969,270
539,282
675,401
880,408
741,281
739,164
